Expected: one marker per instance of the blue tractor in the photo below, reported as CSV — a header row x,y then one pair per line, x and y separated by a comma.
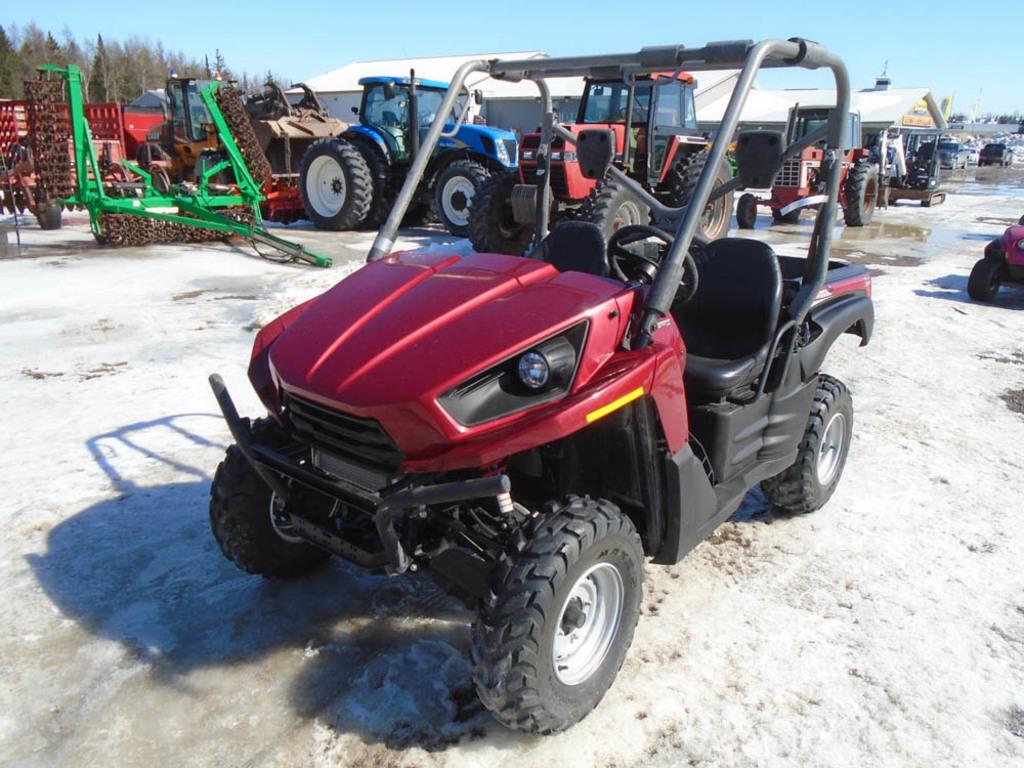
x,y
350,181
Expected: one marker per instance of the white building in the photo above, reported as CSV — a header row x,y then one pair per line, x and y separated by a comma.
x,y
504,104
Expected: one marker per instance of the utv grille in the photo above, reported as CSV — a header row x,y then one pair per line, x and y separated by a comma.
x,y
362,440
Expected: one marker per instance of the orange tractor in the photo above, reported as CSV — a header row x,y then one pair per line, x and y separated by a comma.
x,y
654,123
800,182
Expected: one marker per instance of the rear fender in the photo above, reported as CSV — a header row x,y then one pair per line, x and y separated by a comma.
x,y
851,313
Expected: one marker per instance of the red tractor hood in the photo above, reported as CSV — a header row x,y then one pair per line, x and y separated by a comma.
x,y
388,340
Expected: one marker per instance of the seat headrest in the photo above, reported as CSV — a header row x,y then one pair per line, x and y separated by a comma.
x,y
576,246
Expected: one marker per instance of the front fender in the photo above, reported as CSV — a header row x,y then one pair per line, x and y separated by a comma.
x,y
260,374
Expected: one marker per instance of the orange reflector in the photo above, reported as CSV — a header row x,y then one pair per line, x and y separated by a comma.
x,y
604,410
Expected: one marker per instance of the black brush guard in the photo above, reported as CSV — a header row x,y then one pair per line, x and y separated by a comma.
x,y
280,472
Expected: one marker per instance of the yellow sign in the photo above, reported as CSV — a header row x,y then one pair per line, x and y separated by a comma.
x,y
919,116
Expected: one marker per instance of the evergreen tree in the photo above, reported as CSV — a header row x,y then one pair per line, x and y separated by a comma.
x,y
98,73
8,67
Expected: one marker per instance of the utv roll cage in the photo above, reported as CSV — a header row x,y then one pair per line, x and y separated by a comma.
x,y
760,154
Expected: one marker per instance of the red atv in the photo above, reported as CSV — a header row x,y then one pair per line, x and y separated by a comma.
x,y
529,430
1003,263
662,150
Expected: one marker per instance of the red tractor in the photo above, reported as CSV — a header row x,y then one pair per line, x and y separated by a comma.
x,y
662,150
117,132
800,185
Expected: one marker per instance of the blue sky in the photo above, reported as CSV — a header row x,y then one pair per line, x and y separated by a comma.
x,y
947,45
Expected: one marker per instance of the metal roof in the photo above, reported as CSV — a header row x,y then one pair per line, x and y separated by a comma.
x,y
402,81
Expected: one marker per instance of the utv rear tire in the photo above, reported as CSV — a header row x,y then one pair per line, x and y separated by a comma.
x,y
809,483
983,284
611,206
492,227
454,190
335,184
240,516
746,211
861,195
585,550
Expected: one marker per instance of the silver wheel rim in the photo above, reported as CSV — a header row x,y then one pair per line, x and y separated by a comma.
x,y
281,523
831,449
587,624
454,186
325,186
628,213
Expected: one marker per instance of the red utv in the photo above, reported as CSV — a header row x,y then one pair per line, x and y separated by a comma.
x,y
530,430
1003,262
662,150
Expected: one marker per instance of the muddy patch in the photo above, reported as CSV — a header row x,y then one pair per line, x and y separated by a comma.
x,y
1014,399
38,375
1015,722
1014,358
875,259
190,294
103,369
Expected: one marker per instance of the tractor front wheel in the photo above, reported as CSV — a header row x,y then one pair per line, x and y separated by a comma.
x,y
335,185
454,191
492,225
611,206
550,641
786,218
746,211
680,182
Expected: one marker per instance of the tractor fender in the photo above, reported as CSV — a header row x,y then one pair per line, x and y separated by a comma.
x,y
365,134
853,313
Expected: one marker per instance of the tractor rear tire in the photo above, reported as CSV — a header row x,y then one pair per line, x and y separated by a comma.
x,y
983,284
381,177
492,227
549,642
679,183
809,483
746,211
861,194
335,185
454,190
49,217
242,517
611,206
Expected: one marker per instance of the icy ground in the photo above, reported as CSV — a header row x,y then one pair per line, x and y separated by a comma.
x,y
885,630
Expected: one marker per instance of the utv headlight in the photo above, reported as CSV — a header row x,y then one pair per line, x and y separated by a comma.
x,y
533,370
542,373
1020,245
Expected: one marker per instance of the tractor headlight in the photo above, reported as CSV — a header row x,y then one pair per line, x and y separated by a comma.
x,y
542,373
501,151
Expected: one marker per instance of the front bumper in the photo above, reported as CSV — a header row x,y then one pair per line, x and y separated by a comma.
x,y
387,507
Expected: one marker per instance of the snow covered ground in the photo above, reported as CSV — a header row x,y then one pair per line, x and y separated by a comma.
x,y
885,630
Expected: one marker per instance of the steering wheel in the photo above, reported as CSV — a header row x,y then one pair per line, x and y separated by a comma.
x,y
629,265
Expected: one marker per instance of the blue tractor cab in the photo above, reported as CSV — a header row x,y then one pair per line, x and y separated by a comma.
x,y
351,180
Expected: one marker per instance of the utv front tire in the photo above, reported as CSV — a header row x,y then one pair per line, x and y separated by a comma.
x,y
241,516
551,639
809,483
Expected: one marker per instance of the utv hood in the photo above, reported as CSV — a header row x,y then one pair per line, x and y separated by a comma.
x,y
394,336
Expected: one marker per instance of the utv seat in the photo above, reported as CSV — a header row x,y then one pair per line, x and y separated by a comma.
x,y
575,246
730,322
